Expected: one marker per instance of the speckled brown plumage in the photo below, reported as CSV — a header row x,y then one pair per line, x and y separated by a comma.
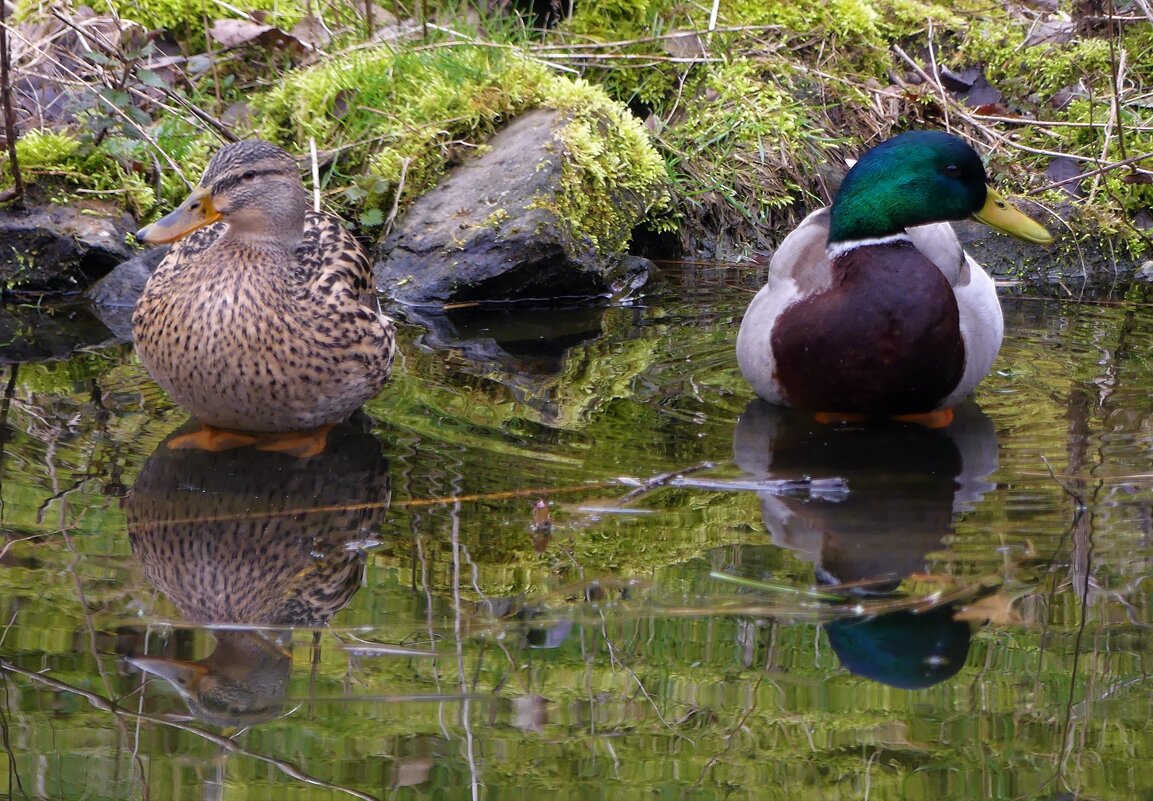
x,y
246,537
264,320
252,537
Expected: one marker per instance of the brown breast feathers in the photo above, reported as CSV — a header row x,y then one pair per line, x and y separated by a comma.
x,y
885,339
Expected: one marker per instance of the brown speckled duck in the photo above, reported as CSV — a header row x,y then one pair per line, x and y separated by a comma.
x,y
242,538
261,318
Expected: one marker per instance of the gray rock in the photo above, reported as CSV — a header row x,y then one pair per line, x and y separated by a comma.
x,y
123,285
61,248
490,231
114,296
47,332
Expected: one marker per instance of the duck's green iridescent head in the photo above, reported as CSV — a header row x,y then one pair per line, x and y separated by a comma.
x,y
922,177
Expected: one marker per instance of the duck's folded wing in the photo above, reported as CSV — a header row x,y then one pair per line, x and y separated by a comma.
x,y
331,259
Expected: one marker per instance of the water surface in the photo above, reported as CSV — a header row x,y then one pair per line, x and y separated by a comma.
x,y
566,555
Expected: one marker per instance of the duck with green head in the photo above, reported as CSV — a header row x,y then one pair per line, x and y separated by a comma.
x,y
872,307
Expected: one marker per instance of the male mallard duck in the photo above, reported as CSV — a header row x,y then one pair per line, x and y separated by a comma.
x,y
872,306
265,321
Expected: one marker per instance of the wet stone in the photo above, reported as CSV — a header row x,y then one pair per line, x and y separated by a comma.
x,y
61,248
489,230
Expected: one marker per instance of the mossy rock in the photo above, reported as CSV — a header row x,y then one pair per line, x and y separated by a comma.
x,y
531,218
396,120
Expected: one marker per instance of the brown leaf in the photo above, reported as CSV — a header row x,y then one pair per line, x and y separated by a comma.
x,y
994,110
541,517
1051,32
240,32
311,32
685,45
236,32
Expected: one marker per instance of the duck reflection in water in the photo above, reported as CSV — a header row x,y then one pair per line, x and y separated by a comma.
x,y
249,537
906,485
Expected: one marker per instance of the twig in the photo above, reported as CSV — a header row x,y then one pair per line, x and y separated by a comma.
x,y
1145,8
937,76
1117,76
384,504
315,174
16,194
993,135
6,739
832,489
107,705
680,33
1107,168
392,212
730,736
663,479
114,108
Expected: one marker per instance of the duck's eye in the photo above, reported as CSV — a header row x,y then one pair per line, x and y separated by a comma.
x,y
249,175
952,170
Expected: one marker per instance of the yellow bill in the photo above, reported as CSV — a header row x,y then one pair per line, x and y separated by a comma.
x,y
1005,217
195,212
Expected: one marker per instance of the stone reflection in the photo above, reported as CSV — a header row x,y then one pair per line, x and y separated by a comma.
x,y
906,485
249,537
545,357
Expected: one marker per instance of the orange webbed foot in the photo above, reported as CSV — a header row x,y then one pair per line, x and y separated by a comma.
x,y
301,444
938,418
835,418
210,438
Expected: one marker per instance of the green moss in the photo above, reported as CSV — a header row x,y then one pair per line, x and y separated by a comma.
x,y
609,160
1039,71
778,89
1031,78
42,149
399,119
743,154
67,166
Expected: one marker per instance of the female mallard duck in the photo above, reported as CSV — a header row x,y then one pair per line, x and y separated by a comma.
x,y
250,544
265,321
872,307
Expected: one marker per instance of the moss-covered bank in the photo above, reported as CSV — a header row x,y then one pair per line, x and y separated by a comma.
x,y
749,119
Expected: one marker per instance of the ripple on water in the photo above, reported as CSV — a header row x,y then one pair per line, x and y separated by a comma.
x,y
421,631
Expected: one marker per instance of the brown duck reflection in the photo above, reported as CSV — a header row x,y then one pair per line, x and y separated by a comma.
x,y
906,484
249,537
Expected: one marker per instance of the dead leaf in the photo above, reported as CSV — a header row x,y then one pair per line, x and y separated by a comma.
x,y
960,81
541,517
236,32
685,45
242,32
1054,31
1064,169
994,110
312,32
